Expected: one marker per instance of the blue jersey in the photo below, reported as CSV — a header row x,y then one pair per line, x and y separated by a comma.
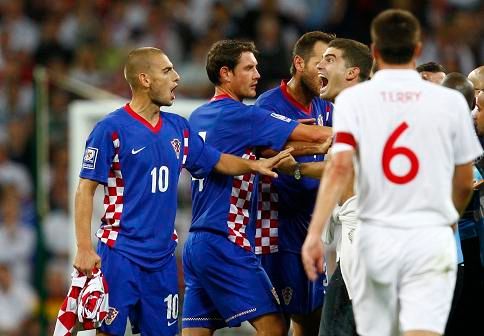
x,y
286,204
222,204
139,166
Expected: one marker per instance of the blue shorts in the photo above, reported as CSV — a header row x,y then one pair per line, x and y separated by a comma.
x,y
148,298
298,294
225,284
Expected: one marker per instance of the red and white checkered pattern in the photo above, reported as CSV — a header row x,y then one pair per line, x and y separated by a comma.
x,y
113,199
238,217
174,236
186,135
87,302
267,231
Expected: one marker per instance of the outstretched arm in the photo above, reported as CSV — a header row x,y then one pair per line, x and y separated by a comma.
x,y
334,182
462,186
234,165
86,258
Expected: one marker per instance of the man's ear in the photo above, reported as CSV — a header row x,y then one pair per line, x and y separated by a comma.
x,y
225,74
298,62
352,73
144,80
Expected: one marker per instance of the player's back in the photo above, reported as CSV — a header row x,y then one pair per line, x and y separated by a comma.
x,y
408,143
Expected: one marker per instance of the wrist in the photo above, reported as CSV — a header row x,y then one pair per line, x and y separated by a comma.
x,y
297,171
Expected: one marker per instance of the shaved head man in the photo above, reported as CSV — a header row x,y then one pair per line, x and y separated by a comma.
x,y
477,78
461,83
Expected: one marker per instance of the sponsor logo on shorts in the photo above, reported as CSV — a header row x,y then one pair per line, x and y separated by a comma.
x,y
274,293
287,295
90,157
112,313
280,117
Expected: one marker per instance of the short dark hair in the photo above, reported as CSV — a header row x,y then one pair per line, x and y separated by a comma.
x,y
431,67
355,54
226,53
461,83
395,33
305,44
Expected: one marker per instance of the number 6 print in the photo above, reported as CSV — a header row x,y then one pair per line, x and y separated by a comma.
x,y
389,152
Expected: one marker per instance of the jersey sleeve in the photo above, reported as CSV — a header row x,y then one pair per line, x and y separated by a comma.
x,y
270,129
466,144
201,157
98,154
344,125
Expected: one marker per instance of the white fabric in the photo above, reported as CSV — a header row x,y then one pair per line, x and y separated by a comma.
x,y
346,215
404,277
440,133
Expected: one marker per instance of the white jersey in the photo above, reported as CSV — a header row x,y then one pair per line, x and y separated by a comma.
x,y
409,135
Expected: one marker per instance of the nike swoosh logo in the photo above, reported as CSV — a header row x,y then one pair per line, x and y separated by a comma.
x,y
136,151
172,323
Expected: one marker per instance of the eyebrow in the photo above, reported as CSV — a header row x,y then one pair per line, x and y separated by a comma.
x,y
329,55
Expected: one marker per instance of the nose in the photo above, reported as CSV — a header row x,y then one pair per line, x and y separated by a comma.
x,y
177,76
320,65
257,74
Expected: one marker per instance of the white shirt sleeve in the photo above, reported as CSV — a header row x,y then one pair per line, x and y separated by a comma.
x,y
345,124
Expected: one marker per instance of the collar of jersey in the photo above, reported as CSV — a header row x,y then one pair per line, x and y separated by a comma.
x,y
293,101
154,129
221,96
397,73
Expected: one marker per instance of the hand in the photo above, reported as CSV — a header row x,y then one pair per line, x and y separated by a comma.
x,y
287,165
86,260
313,256
326,145
308,121
265,166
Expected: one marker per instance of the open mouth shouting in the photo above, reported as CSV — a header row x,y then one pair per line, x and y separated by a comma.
x,y
323,82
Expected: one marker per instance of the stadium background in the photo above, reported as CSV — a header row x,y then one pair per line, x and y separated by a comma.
x,y
53,53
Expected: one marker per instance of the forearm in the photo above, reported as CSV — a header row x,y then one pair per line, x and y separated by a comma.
x,y
83,214
311,133
461,198
334,182
233,165
462,186
313,169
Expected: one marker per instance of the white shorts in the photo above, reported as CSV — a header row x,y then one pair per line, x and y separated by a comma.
x,y
403,280
347,216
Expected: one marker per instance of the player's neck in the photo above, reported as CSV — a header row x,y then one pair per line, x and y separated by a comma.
x,y
385,66
299,93
146,109
224,91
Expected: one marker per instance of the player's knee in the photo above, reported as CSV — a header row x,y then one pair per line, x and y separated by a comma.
x,y
270,325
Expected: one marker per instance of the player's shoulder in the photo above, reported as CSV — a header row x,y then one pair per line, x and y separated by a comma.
x,y
173,118
114,120
271,94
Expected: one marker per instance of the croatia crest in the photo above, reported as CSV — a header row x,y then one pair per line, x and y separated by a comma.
x,y
176,147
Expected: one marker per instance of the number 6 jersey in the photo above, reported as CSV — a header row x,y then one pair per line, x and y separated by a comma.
x,y
139,166
408,134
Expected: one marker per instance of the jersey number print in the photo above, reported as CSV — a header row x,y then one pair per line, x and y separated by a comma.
x,y
389,153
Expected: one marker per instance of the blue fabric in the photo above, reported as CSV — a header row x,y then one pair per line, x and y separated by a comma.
x,y
225,284
297,293
149,163
148,298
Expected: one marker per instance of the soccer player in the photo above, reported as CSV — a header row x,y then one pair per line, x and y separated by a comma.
x,y
225,283
476,76
137,153
413,181
432,72
286,204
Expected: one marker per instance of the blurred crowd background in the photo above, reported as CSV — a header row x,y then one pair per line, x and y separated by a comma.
x,y
86,41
